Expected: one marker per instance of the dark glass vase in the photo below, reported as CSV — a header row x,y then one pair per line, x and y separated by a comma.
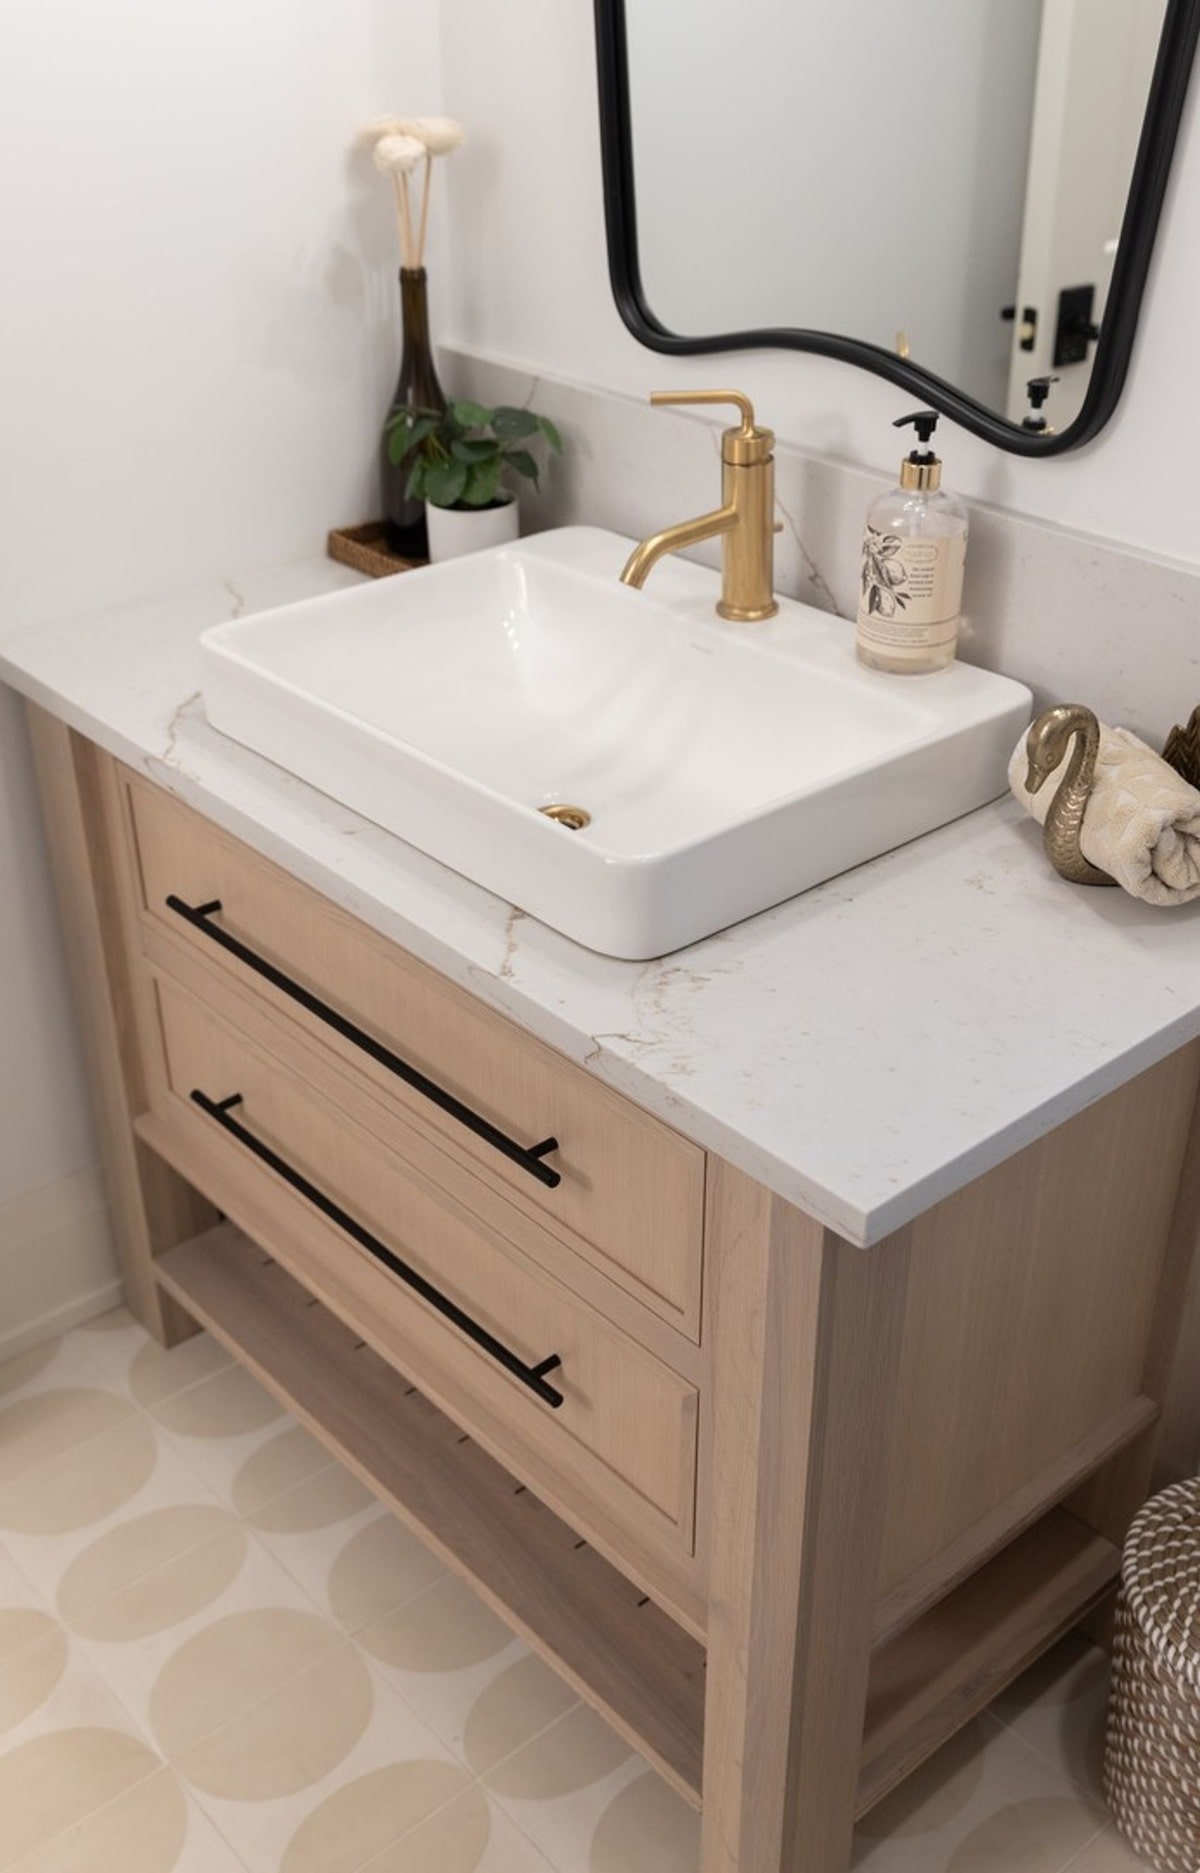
x,y
417,386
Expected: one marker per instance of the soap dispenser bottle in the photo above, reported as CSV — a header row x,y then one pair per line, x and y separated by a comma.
x,y
914,550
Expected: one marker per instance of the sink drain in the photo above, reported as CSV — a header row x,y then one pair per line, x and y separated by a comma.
x,y
574,818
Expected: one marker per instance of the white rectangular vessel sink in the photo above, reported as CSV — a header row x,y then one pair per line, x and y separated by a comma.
x,y
720,768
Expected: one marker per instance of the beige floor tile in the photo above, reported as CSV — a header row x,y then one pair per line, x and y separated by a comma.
x,y
230,1403
136,1365
1059,1707
1036,1836
986,1803
259,1620
134,1548
76,1696
449,1622
521,1701
28,1371
155,1827
368,1815
1108,1853
381,1567
296,1736
338,1510
70,1359
646,1828
446,1629
34,1651
22,1624
294,1522
42,1368
158,1374
352,1801
54,1780
575,1753
68,1747
558,1787
84,1483
220,1459
469,1835
290,1457
158,1593
37,1428
17,1589
50,1518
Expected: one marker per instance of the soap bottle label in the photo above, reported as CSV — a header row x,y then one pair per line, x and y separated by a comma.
x,y
911,591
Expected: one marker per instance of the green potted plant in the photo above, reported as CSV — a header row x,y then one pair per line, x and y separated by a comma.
x,y
462,462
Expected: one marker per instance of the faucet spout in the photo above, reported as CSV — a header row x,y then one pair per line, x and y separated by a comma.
x,y
673,540
745,519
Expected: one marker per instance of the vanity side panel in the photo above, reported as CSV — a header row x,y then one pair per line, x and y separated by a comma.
x,y
1179,1444
152,1208
1033,1299
1110,1499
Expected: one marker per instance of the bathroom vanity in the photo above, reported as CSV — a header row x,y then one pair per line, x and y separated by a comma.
x,y
783,1356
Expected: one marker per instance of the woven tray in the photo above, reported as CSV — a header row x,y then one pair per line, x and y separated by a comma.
x,y
1152,1751
366,549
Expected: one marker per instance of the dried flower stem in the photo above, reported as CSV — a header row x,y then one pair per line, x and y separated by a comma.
x,y
403,218
424,208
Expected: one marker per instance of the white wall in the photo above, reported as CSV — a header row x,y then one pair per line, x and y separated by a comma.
x,y
198,338
531,286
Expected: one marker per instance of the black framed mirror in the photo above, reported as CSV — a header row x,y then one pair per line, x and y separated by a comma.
x,y
977,209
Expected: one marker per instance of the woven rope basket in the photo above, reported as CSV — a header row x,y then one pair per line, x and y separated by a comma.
x,y
1152,1751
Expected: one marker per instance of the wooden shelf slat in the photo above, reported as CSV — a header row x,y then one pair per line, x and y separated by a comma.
x,y
1017,1512
940,1671
620,1651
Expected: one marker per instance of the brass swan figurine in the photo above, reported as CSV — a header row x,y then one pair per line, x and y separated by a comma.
x,y
1045,749
1182,749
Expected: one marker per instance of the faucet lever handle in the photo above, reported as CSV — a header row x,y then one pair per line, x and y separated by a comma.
x,y
736,397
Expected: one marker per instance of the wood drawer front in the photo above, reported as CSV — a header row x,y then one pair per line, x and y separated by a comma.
x,y
624,1437
631,1190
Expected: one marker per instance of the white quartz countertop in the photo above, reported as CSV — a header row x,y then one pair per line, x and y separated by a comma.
x,y
863,1050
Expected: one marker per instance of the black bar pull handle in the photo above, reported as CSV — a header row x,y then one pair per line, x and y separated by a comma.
x,y
532,1376
529,1157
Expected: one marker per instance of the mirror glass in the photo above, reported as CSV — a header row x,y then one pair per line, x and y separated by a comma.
x,y
943,184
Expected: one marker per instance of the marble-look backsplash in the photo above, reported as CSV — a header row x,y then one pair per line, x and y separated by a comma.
x,y
1078,618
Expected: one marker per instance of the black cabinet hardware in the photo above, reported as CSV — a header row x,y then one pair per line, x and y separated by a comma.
x,y
532,1376
529,1157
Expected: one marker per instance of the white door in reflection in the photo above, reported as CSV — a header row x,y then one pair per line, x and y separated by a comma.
x,y
1093,76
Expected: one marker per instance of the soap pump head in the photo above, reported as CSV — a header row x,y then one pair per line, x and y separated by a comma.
x,y
1037,390
921,468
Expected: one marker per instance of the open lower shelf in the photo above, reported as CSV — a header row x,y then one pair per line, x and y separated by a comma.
x,y
620,1651
959,1655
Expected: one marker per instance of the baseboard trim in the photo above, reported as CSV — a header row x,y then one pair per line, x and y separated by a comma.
x,y
70,1314
57,1266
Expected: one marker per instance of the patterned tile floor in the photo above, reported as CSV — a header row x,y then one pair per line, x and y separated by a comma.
x,y
219,1655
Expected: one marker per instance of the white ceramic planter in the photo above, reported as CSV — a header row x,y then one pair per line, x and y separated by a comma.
x,y
457,530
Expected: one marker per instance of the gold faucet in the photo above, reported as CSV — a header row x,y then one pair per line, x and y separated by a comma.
x,y
746,522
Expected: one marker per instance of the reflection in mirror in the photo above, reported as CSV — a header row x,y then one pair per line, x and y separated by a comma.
x,y
945,182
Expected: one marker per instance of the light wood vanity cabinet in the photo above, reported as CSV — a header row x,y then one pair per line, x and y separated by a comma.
x,y
787,1510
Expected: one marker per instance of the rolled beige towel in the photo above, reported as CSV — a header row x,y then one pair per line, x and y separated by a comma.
x,y
1142,819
